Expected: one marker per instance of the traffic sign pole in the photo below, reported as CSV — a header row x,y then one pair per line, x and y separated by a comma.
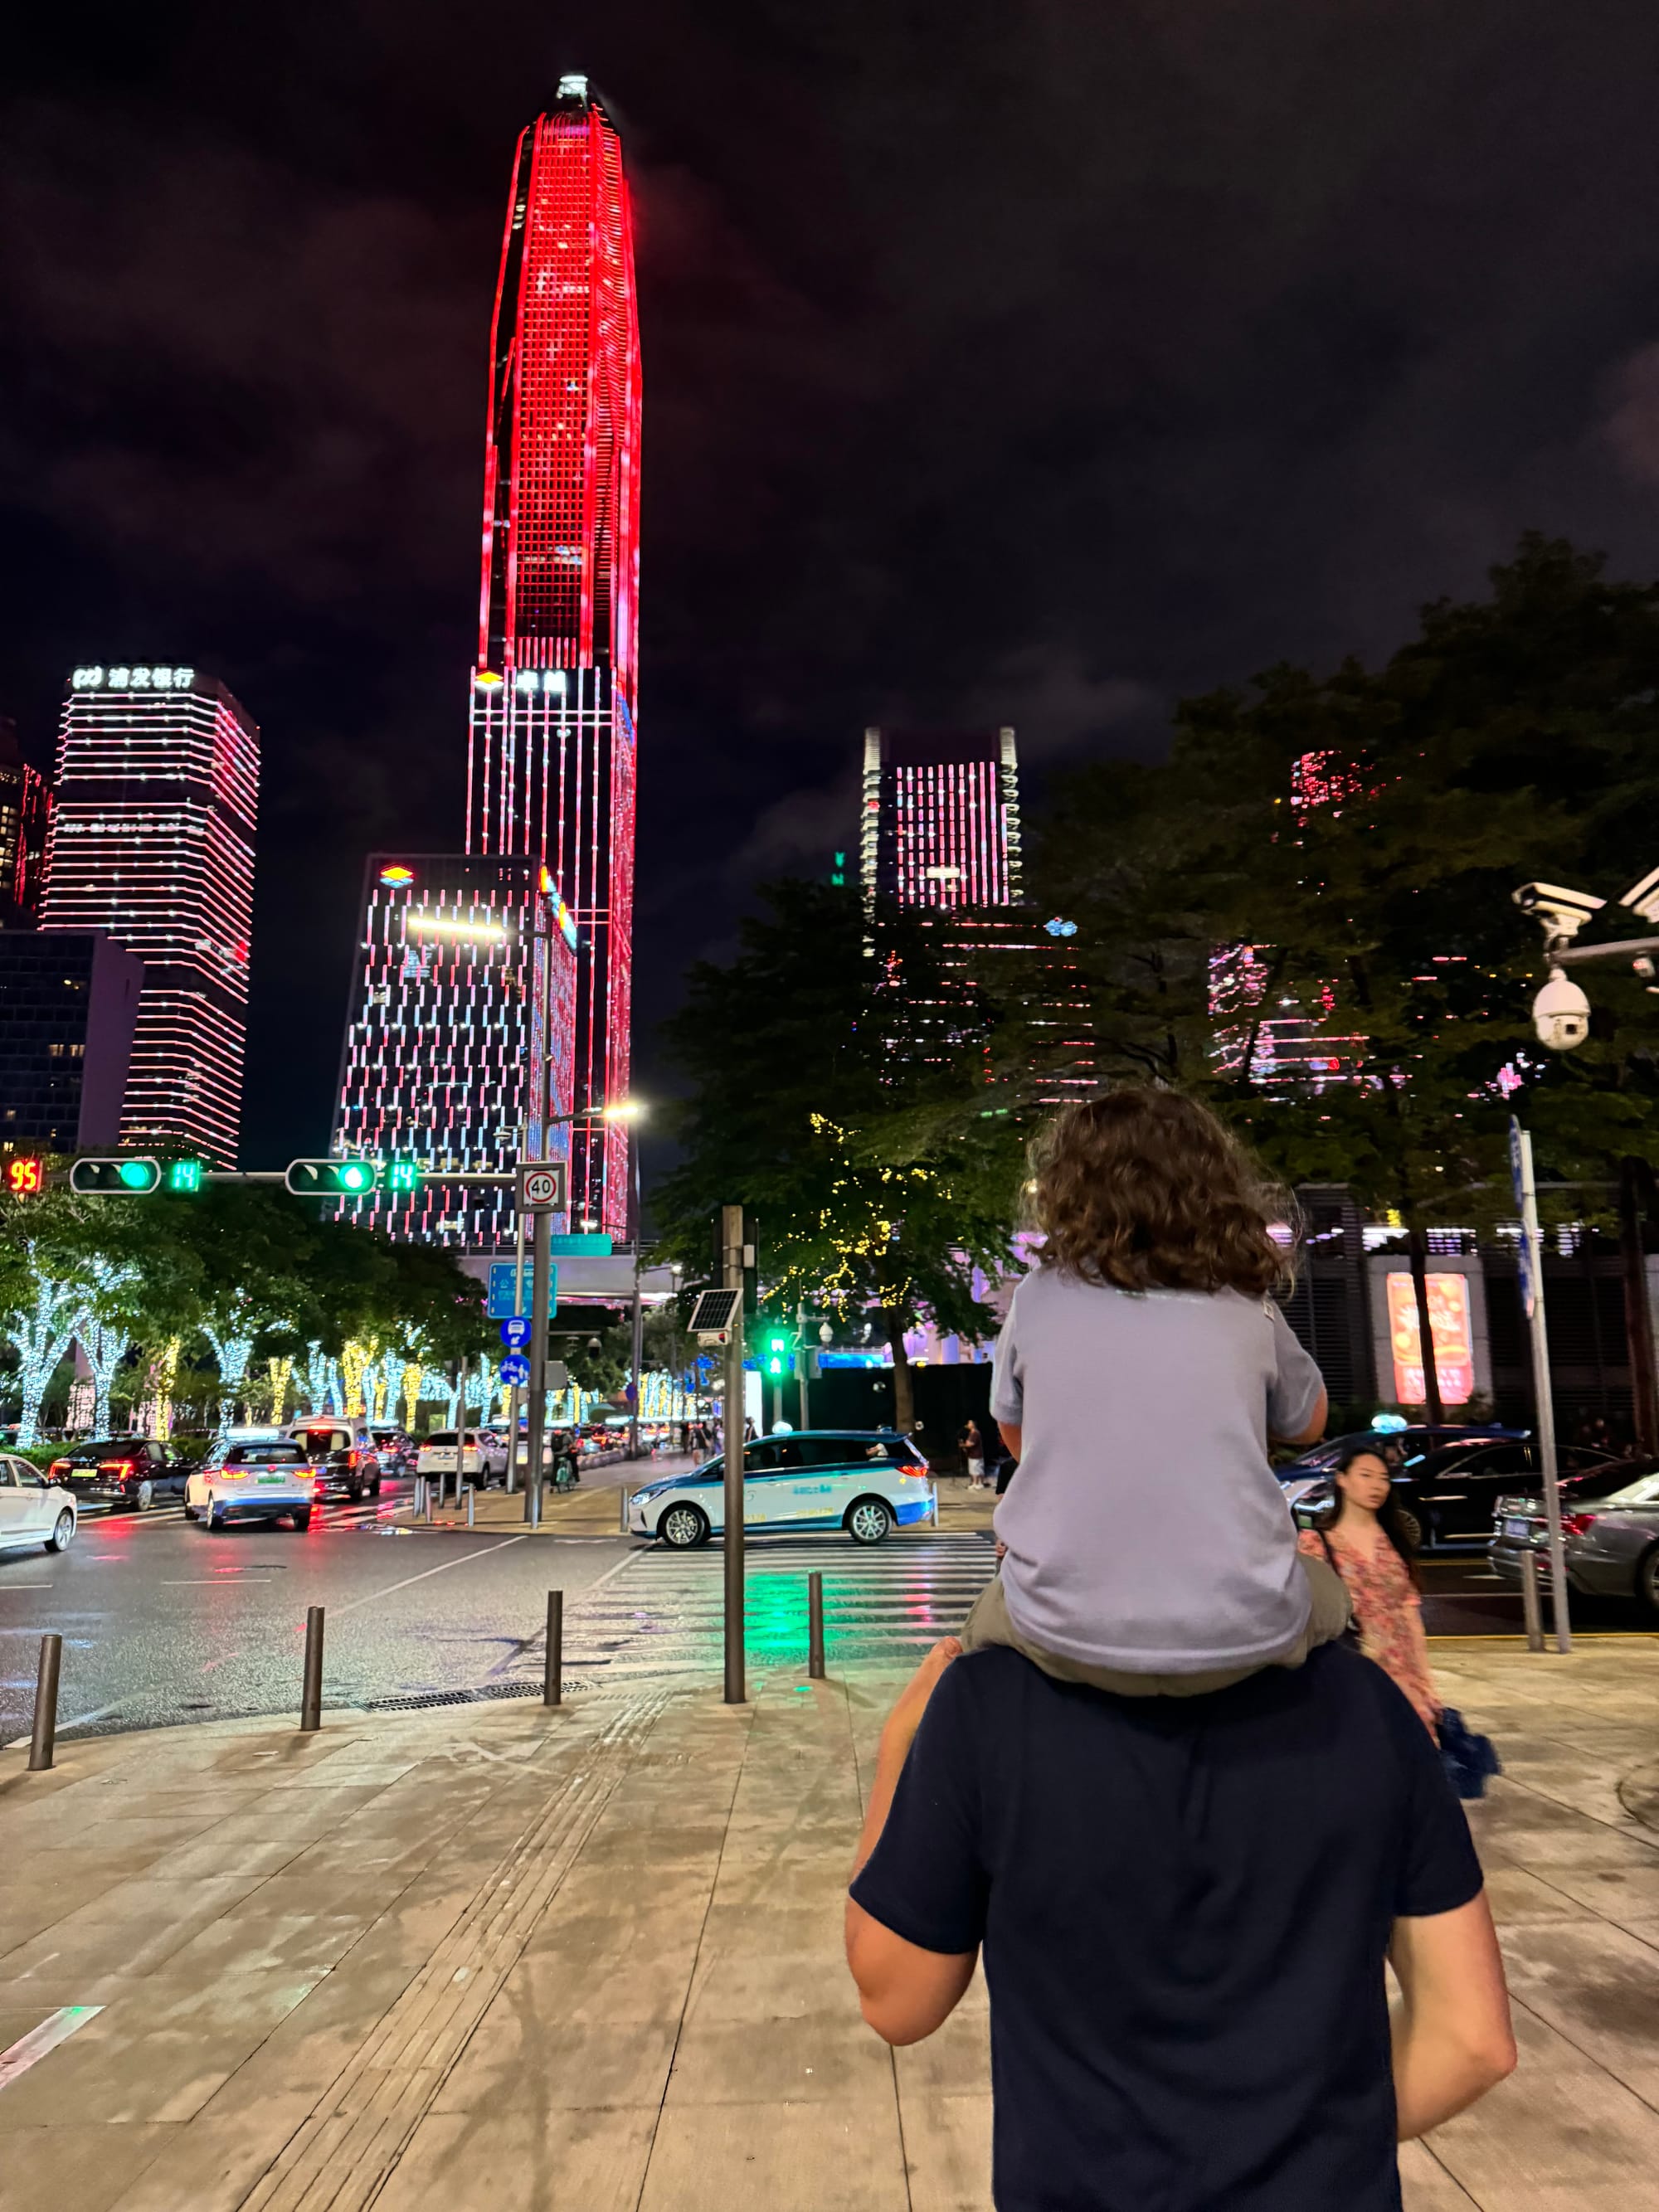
x,y
541,1232
1532,1285
732,1420
515,1401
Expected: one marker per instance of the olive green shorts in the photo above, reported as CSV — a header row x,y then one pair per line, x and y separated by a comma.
x,y
988,1623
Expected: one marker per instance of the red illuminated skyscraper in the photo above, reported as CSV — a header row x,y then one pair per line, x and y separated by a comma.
x,y
550,773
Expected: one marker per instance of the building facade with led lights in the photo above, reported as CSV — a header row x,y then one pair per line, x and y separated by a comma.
x,y
463,1007
152,843
551,761
24,825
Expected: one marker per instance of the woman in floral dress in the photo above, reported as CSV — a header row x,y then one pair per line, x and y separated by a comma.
x,y
1362,1541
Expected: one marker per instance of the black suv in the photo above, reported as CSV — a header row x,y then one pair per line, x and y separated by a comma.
x,y
132,1471
1447,1496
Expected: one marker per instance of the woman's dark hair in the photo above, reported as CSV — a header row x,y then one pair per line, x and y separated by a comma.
x,y
1144,1189
1388,1513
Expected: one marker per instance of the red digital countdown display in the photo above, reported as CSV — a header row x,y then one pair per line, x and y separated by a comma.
x,y
25,1177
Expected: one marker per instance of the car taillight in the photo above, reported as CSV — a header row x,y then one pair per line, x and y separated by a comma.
x,y
60,1467
912,1470
1574,1524
116,1465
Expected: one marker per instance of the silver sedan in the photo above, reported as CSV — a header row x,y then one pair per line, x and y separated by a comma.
x,y
1612,1543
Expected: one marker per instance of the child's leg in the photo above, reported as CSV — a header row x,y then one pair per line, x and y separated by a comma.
x,y
1328,1612
987,1623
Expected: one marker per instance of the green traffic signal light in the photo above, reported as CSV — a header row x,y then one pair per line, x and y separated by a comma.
x,y
116,1178
332,1178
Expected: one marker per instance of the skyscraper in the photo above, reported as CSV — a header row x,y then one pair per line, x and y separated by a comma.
x,y
550,772
941,817
466,982
25,822
152,842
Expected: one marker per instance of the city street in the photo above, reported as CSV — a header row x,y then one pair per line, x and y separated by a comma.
x,y
163,1623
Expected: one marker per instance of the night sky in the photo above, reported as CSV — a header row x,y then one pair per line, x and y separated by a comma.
x,y
1018,362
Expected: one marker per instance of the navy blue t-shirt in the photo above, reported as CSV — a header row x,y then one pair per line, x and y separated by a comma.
x,y
1185,1903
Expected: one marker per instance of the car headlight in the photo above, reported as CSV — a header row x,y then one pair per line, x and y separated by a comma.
x,y
651,1490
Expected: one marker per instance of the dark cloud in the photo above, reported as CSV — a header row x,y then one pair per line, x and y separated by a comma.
x,y
1023,362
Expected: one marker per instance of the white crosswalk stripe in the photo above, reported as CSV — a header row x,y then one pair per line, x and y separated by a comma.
x,y
663,1614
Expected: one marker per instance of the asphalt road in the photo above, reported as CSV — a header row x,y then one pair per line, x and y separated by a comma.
x,y
163,1623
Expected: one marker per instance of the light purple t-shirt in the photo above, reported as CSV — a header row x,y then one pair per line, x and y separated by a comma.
x,y
1146,1529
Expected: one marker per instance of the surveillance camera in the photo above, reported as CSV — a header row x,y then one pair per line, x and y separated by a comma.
x,y
1561,913
1560,1013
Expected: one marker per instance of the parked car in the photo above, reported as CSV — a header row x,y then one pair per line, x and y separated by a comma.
x,y
866,1482
395,1450
1609,1530
254,1482
131,1471
474,1455
1396,1444
1449,1496
34,1512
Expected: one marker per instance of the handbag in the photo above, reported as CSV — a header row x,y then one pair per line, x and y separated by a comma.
x,y
1468,1759
1351,1633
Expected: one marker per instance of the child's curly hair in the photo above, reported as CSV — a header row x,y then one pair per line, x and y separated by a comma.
x,y
1144,1189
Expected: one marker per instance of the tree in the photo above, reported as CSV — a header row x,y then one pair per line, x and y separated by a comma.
x,y
45,1278
1347,846
837,1078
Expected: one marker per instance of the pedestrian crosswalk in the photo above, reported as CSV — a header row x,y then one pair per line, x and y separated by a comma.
x,y
662,1612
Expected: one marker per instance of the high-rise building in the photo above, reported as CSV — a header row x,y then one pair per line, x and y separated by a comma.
x,y
152,842
550,773
465,986
940,822
25,821
940,834
68,1000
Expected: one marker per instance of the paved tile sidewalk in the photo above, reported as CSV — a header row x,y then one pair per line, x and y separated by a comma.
x,y
591,1960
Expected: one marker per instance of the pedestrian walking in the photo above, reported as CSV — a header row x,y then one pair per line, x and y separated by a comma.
x,y
1363,1540
973,1451
1186,1905
1144,1366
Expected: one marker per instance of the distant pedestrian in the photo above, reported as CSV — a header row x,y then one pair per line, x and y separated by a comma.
x,y
1144,1365
1363,1541
973,1450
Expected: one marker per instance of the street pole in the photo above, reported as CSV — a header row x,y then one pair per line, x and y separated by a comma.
x,y
800,1356
732,1421
541,1246
1531,1287
639,1314
515,1401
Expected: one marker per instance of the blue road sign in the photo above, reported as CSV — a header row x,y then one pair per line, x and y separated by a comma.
x,y
507,1299
515,1369
515,1332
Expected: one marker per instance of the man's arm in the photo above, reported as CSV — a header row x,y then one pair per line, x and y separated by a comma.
x,y
904,1991
1012,1433
1452,2038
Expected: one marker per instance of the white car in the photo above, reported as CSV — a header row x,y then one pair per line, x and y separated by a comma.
x,y
34,1512
474,1455
866,1482
254,1482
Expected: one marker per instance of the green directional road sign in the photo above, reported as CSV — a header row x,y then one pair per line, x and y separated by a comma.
x,y
116,1178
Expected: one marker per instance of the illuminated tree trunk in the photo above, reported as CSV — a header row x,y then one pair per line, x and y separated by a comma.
x,y
232,1350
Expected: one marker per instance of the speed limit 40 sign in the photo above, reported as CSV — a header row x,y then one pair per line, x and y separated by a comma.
x,y
542,1188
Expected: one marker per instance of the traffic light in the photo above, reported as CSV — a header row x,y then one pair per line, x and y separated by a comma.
x,y
128,1178
184,1175
332,1178
403,1174
777,1352
26,1177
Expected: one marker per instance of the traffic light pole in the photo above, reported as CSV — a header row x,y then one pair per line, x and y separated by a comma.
x,y
541,1247
800,1359
732,1420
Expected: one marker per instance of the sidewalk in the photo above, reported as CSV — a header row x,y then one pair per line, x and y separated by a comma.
x,y
507,1960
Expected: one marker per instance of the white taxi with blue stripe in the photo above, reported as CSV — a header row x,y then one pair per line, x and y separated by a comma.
x,y
866,1482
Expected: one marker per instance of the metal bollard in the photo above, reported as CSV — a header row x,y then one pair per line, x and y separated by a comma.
x,y
44,1738
1530,1602
536,1503
553,1676
472,1493
815,1627
429,1501
419,1496
311,1696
